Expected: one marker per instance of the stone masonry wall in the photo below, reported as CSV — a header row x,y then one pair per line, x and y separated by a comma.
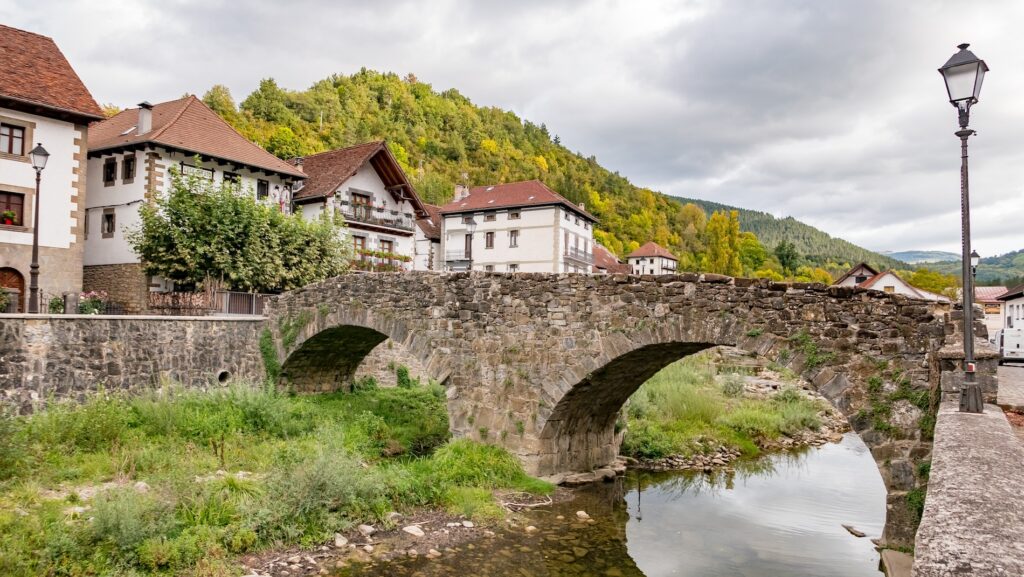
x,y
383,360
69,356
541,363
125,284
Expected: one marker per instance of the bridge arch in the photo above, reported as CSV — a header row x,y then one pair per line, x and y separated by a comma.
x,y
541,363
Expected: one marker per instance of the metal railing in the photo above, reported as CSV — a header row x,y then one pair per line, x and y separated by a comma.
x,y
235,303
579,255
377,215
458,255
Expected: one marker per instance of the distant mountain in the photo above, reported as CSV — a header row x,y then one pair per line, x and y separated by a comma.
x,y
922,256
1002,270
812,243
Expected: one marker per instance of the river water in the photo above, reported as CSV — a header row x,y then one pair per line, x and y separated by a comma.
x,y
781,515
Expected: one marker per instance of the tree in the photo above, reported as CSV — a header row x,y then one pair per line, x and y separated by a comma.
x,y
932,281
752,252
788,257
722,239
205,234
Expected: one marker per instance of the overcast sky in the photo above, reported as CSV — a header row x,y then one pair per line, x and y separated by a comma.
x,y
828,111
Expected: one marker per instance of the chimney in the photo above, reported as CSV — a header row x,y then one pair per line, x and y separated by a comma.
x,y
461,192
145,123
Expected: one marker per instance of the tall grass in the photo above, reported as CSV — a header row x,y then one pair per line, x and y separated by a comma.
x,y
318,464
689,408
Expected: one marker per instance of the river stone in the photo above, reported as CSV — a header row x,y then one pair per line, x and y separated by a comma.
x,y
367,530
414,530
340,540
582,515
468,524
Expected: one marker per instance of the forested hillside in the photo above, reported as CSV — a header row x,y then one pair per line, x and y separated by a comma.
x,y
815,245
440,136
1002,270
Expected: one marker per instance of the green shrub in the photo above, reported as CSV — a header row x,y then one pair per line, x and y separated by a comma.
x,y
473,502
732,385
122,519
365,383
56,306
648,440
404,380
96,424
12,445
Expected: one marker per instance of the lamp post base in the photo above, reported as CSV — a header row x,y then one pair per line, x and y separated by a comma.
x,y
971,399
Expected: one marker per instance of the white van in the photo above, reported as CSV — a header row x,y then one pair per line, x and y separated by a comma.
x,y
1011,345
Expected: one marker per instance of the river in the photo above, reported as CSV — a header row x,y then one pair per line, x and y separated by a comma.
x,y
780,515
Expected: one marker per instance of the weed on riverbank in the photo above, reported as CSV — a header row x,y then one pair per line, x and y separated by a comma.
x,y
181,482
689,408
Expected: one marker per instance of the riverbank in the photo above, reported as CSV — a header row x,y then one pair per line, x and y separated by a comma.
x,y
187,483
709,410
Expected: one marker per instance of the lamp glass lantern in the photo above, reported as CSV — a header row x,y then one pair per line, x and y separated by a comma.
x,y
39,157
975,258
471,225
964,73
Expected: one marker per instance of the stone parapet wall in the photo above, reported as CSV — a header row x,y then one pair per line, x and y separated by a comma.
x,y
70,356
125,284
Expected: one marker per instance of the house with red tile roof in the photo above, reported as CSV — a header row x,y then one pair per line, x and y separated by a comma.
x,y
988,298
42,102
652,258
427,253
607,263
368,188
516,227
865,277
131,156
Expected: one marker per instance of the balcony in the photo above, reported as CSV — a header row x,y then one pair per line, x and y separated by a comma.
x,y
380,261
377,216
579,256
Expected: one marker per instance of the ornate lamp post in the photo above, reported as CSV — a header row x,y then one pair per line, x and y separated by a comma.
x,y
975,260
964,73
39,158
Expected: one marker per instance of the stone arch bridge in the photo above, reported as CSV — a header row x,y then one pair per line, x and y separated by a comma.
x,y
542,364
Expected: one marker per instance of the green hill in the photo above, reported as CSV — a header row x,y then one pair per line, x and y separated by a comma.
x,y
440,136
817,246
1002,270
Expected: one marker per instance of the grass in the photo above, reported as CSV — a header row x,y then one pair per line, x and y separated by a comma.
x,y
688,408
318,464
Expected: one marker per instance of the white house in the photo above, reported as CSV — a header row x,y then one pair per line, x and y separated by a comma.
x,y
652,258
988,298
1013,307
42,101
865,277
130,156
516,227
366,185
427,253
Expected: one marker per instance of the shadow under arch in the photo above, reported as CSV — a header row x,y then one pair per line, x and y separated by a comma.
x,y
328,360
580,433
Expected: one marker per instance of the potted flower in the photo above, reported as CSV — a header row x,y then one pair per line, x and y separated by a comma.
x,y
8,217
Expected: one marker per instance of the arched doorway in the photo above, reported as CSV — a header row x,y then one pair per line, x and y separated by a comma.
x,y
11,279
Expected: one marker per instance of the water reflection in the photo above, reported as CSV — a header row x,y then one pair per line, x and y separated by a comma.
x,y
777,516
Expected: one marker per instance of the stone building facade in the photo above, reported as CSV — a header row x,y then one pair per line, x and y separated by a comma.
x,y
42,101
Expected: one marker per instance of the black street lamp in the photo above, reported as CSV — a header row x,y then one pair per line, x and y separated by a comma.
x,y
964,72
975,260
471,228
39,158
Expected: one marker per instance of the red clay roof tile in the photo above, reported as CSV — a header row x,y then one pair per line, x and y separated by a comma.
x,y
652,249
512,195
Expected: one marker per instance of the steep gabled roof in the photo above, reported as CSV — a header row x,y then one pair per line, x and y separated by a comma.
x,y
327,171
605,260
854,269
652,249
431,225
522,194
36,77
187,125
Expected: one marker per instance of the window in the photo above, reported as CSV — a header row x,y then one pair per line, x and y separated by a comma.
x,y
466,219
359,242
128,168
489,268
13,202
566,251
468,246
489,240
109,171
361,199
262,189
889,289
577,221
387,245
513,215
566,212
513,268
12,139
650,261
586,225
232,177
513,238
108,223
860,279
489,217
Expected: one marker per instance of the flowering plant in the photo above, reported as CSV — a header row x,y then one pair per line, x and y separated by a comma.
x,y
92,302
